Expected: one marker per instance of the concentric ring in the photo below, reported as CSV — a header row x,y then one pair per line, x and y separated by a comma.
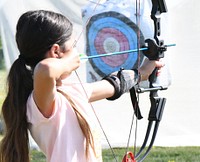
x,y
112,32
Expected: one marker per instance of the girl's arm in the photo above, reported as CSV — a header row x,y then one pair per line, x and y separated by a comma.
x,y
101,90
48,73
104,89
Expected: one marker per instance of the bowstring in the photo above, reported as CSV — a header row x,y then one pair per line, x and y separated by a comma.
x,y
81,83
102,129
138,14
86,23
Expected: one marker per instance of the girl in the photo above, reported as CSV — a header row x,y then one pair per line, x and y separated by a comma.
x,y
44,101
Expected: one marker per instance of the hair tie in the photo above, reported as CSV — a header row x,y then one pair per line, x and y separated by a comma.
x,y
21,58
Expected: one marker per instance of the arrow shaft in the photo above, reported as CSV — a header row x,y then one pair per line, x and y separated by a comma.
x,y
82,56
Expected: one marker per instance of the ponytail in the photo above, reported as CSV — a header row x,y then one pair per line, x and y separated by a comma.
x,y
15,143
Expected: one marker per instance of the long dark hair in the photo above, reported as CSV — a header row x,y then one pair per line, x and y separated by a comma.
x,y
36,32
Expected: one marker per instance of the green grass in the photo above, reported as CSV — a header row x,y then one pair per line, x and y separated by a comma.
x,y
164,154
157,154
37,156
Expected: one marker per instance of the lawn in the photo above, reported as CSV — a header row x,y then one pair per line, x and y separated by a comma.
x,y
157,154
165,154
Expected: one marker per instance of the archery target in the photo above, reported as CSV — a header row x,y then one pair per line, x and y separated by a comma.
x,y
110,32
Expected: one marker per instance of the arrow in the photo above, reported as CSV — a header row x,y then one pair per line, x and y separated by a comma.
x,y
83,56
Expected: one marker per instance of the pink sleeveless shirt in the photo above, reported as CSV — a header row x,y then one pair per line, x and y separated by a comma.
x,y
60,136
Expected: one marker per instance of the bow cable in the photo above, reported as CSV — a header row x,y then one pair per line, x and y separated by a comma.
x,y
137,17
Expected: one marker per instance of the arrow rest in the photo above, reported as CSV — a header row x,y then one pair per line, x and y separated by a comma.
x,y
154,51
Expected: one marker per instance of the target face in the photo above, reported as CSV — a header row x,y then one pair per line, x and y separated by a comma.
x,y
110,32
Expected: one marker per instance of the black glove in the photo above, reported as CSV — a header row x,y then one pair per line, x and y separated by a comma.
x,y
122,81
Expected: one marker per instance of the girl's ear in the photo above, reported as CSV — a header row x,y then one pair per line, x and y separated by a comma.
x,y
54,51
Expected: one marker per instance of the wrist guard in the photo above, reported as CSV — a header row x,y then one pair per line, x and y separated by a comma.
x,y
122,82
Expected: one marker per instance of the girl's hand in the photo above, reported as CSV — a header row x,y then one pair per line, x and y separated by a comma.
x,y
147,68
72,61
